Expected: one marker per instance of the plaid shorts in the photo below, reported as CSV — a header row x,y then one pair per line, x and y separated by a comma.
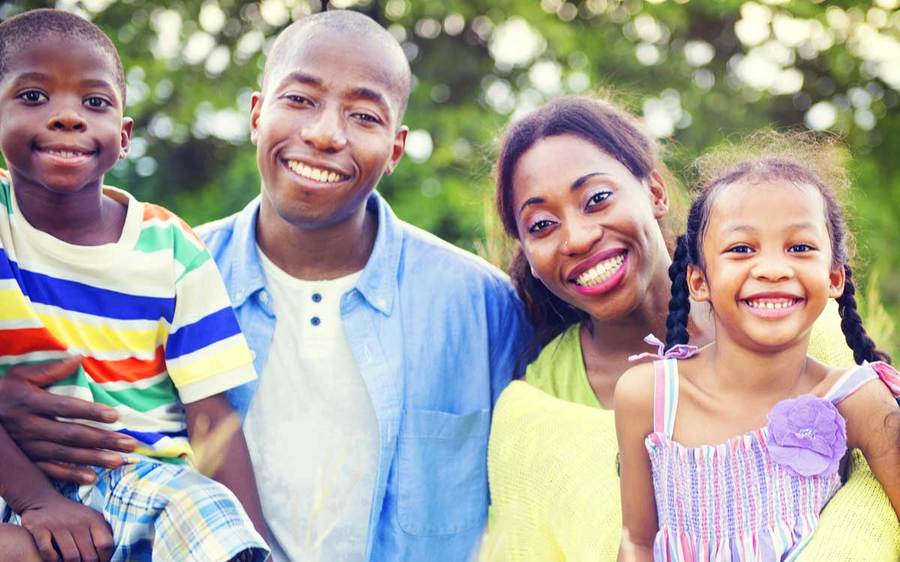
x,y
162,512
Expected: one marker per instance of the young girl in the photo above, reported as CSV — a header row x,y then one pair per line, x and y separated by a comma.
x,y
731,452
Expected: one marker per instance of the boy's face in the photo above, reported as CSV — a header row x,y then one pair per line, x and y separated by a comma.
x,y
326,127
61,124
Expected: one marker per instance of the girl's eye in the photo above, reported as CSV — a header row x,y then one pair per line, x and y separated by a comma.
x,y
96,102
801,248
32,96
539,226
740,249
599,197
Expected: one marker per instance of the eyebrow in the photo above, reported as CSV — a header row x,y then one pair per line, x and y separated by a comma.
x,y
791,227
361,92
35,76
577,184
97,83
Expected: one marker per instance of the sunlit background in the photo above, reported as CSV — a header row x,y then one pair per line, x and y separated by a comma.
x,y
697,71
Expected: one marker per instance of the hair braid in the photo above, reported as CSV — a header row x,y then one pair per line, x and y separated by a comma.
x,y
679,304
851,324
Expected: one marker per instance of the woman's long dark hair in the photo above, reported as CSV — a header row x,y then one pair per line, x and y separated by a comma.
x,y
790,158
600,123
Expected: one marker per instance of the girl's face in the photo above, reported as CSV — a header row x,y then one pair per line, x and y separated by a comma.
x,y
768,263
588,226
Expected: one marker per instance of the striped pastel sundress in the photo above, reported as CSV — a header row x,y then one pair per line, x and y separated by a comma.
x,y
732,501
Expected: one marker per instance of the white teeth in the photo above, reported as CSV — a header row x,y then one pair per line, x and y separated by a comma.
x,y
315,174
64,153
770,304
600,272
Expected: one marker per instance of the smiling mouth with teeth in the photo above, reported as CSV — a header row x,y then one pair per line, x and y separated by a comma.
x,y
67,154
771,304
315,174
600,272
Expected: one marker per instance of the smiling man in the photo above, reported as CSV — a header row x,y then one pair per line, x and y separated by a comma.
x,y
381,349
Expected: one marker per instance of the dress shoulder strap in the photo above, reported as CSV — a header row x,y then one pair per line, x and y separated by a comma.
x,y
855,378
665,396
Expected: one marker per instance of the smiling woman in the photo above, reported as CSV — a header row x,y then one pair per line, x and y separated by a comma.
x,y
584,191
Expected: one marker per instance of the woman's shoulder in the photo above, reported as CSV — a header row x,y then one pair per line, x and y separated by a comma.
x,y
827,343
559,369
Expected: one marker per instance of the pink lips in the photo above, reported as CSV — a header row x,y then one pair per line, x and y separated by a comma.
x,y
610,283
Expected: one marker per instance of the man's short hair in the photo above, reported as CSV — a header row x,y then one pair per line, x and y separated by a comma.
x,y
28,28
351,24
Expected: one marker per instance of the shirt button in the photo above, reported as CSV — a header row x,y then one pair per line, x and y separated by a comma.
x,y
264,297
317,297
382,303
315,321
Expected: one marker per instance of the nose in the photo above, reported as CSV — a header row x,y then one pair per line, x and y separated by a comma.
x,y
67,120
325,131
580,235
772,268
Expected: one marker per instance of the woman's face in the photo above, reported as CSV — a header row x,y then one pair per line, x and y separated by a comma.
x,y
588,226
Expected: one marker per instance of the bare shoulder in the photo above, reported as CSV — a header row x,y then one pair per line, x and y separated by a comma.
x,y
634,390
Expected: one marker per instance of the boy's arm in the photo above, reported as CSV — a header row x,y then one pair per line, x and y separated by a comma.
x,y
221,452
79,532
633,403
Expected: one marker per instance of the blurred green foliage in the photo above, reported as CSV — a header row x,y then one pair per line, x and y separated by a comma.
x,y
698,71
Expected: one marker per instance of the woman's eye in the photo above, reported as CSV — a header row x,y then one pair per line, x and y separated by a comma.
x,y
539,226
96,102
599,197
32,96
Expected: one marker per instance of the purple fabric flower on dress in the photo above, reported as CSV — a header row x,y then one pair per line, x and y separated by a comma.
x,y
807,435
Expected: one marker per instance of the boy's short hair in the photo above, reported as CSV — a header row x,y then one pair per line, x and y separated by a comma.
x,y
27,28
353,24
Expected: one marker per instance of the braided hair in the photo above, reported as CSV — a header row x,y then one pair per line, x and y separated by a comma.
x,y
770,167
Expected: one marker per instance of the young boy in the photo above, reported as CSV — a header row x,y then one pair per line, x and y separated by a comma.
x,y
87,270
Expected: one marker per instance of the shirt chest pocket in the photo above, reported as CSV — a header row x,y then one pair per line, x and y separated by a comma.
x,y
442,472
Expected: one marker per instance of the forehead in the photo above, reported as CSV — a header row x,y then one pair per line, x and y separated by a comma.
x,y
341,63
553,163
54,54
767,204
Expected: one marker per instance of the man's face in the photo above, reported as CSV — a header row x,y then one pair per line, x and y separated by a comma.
x,y
326,127
61,124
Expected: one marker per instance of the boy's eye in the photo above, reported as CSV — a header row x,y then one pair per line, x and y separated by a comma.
x,y
32,96
599,197
96,102
367,117
539,226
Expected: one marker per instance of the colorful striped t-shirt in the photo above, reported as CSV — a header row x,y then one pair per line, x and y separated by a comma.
x,y
149,314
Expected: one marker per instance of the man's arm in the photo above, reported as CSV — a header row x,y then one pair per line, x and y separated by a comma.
x,y
28,414
221,452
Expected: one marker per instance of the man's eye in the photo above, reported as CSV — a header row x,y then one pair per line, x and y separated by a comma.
x,y
96,102
32,96
367,117
300,100
539,226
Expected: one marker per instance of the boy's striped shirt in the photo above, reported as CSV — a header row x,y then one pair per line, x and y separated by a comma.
x,y
148,313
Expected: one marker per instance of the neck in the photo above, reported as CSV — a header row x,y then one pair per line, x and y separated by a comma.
x,y
316,254
83,217
743,371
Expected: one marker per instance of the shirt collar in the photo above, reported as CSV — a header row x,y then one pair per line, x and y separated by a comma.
x,y
247,276
377,283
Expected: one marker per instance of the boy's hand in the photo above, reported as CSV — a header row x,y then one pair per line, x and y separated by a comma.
x,y
68,531
28,413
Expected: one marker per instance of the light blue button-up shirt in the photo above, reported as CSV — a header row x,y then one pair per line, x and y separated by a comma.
x,y
436,333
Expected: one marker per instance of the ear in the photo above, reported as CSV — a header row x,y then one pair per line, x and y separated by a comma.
x,y
697,285
397,149
836,279
659,194
255,108
127,127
